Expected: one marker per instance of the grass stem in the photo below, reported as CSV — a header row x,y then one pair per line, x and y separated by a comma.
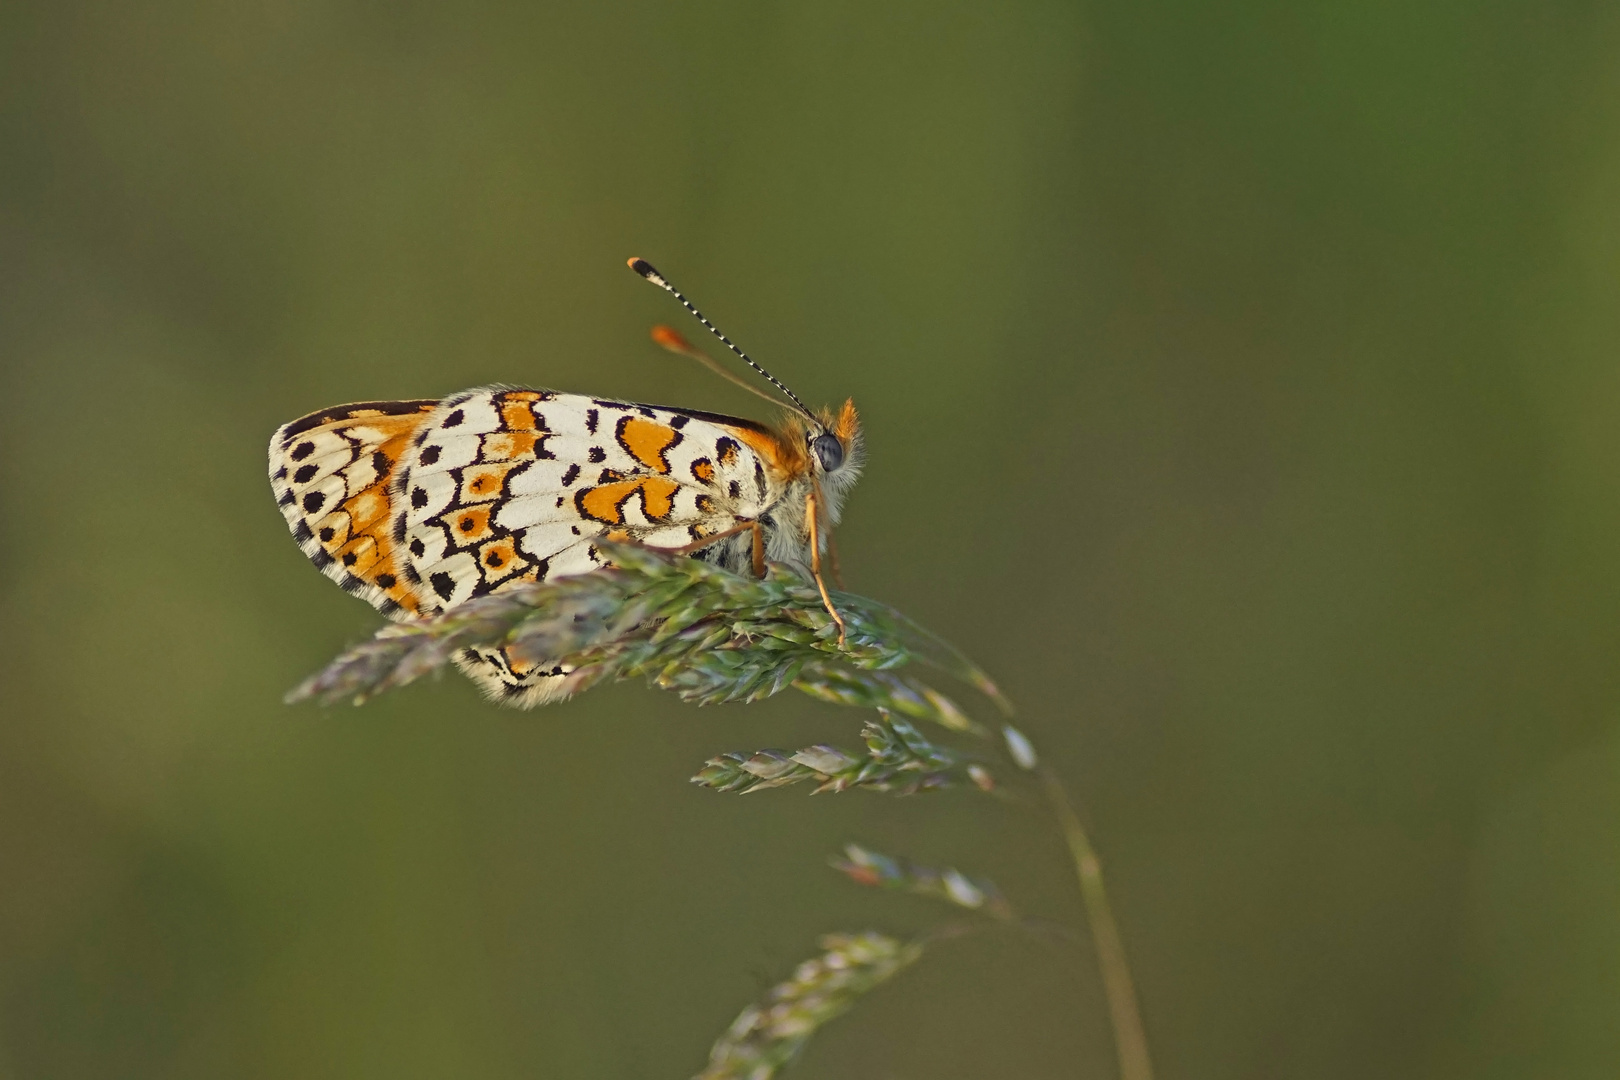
x,y
1130,1039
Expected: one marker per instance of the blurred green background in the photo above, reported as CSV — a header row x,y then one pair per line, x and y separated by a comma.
x,y
1241,387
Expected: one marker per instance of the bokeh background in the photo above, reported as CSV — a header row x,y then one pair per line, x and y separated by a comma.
x,y
1241,384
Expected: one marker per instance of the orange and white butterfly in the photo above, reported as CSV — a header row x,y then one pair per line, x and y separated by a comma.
x,y
417,506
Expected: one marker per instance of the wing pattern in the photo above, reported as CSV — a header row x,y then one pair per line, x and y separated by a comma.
x,y
498,486
332,474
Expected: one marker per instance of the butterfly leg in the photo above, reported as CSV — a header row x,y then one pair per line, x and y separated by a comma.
x,y
811,513
746,526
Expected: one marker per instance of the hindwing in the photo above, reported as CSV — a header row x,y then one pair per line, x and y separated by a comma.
x,y
333,475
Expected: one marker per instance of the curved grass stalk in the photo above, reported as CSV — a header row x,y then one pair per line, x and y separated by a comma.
x,y
1130,1038
711,636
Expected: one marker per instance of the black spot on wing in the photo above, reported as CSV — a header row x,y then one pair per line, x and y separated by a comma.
x,y
301,532
419,498
326,533
571,475
430,454
734,489
443,584
759,480
454,419
591,417
597,455
313,501
678,422
380,462
386,581
305,474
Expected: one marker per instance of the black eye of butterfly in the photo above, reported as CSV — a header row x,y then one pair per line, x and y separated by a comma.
x,y
829,450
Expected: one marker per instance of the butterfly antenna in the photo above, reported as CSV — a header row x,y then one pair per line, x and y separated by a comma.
x,y
648,271
673,340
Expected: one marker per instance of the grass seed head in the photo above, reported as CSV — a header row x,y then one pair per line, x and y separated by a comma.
x,y
768,1035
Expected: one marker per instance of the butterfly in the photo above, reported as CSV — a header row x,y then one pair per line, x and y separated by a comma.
x,y
418,506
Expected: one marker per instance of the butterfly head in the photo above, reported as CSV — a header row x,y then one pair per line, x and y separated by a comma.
x,y
833,449
835,442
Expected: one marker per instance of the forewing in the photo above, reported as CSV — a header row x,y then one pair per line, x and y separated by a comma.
x,y
333,475
505,485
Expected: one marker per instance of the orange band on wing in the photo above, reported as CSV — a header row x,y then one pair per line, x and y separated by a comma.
x,y
785,457
647,441
658,496
471,524
517,416
483,482
606,502
355,533
510,445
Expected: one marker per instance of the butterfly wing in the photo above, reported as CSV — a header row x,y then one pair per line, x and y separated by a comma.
x,y
503,486
333,475
418,506
515,485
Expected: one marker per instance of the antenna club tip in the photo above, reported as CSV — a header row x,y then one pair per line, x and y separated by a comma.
x,y
645,269
670,338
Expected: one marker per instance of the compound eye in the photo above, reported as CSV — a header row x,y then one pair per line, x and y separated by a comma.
x,y
829,450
